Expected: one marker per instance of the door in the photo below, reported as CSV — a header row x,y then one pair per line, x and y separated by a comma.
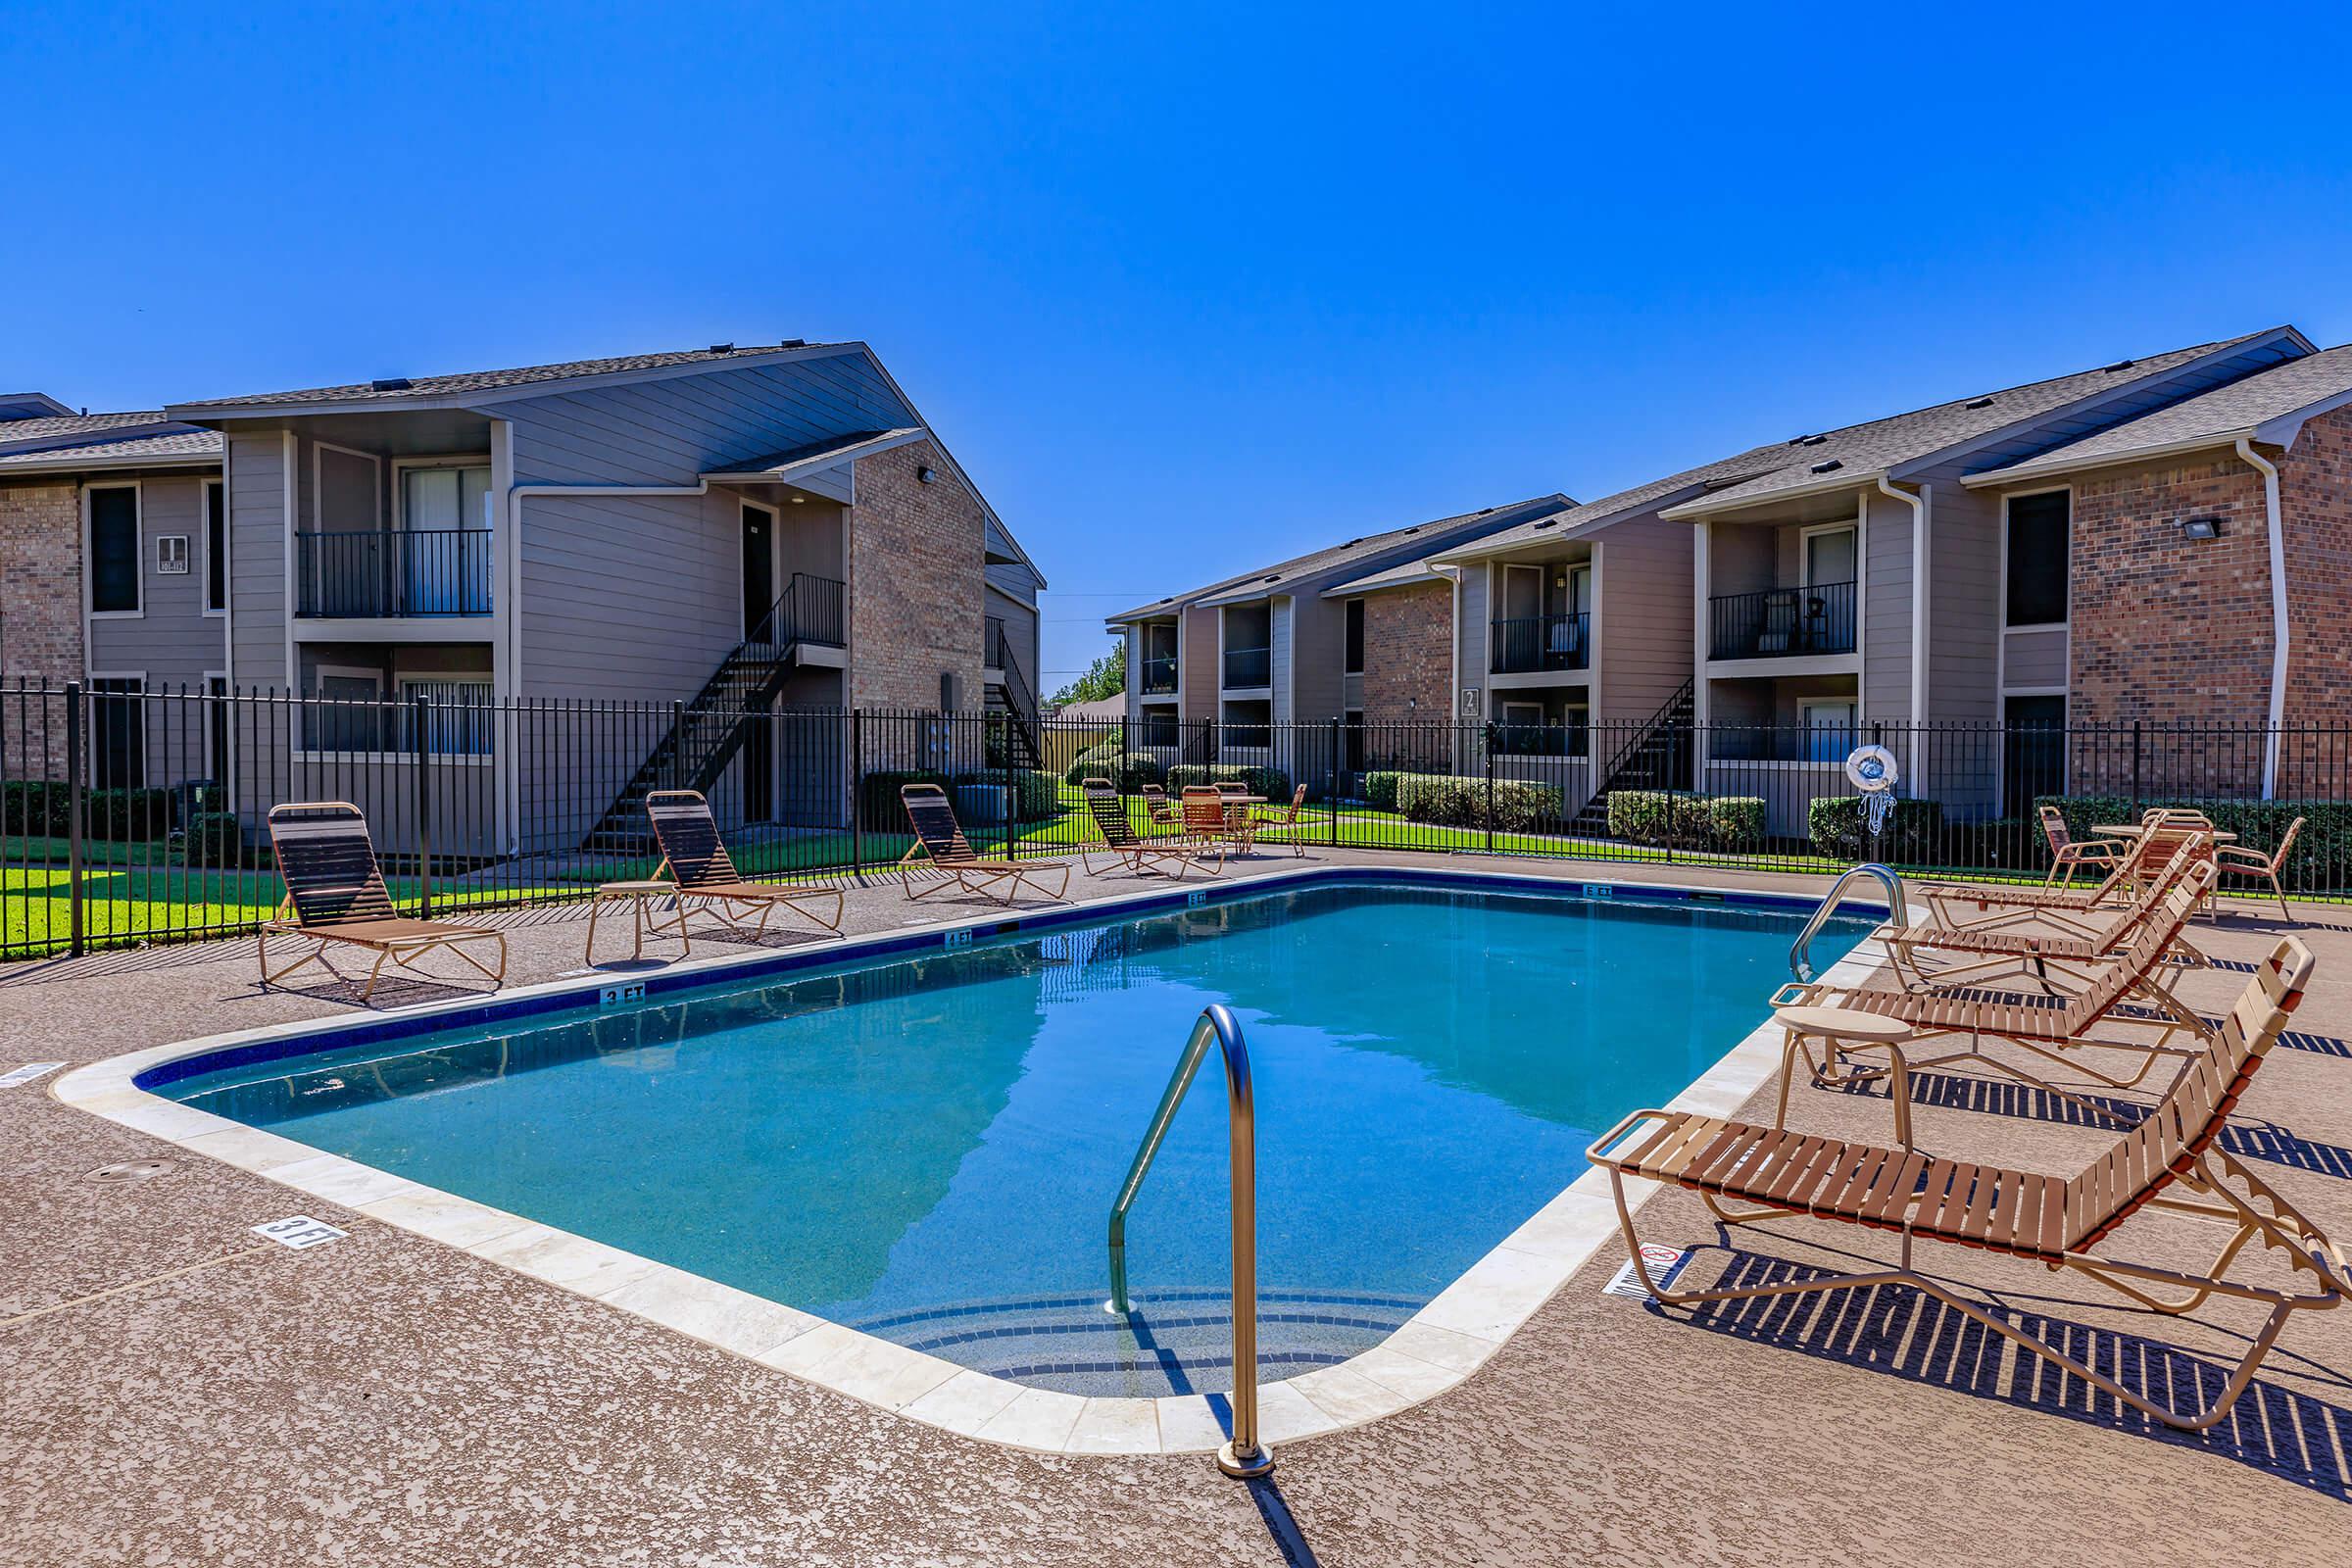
x,y
445,543
758,571
1519,636
1829,733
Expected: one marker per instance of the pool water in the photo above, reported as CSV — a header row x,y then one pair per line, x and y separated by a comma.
x,y
927,1148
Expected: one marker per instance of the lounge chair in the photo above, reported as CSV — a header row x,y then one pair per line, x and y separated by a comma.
x,y
2070,855
1160,808
1207,815
2236,861
1287,820
1173,856
941,847
2047,1220
2044,1027
1986,949
2078,912
335,894
697,860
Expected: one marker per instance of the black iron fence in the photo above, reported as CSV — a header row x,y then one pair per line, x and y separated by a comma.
x,y
133,816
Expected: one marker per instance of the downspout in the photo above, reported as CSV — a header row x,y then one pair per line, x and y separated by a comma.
x,y
2278,626
1918,503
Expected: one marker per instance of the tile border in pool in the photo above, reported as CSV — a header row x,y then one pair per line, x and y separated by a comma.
x,y
1438,1347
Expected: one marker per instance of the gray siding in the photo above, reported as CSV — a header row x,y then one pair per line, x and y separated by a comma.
x,y
1470,659
2036,660
1963,604
1281,658
172,641
1886,612
1642,578
257,551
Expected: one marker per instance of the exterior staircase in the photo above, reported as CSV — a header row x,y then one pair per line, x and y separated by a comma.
x,y
710,729
1011,695
1658,756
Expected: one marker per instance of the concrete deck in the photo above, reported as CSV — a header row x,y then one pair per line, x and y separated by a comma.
x,y
176,1393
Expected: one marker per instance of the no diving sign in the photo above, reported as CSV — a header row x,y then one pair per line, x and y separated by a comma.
x,y
1663,1263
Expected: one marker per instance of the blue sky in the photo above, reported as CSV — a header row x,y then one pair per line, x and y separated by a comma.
x,y
1185,290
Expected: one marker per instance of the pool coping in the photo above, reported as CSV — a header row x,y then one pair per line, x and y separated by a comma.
x,y
1437,1348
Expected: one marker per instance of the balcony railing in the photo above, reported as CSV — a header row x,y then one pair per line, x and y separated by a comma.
x,y
1781,622
811,610
1160,677
1526,643
392,573
1248,666
992,637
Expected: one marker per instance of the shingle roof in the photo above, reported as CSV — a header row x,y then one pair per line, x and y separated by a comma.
x,y
172,447
1282,575
462,383
16,434
1641,498
1857,452
2210,416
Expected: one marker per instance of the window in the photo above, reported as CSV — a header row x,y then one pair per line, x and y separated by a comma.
x,y
2037,565
215,547
1355,636
114,550
458,721
350,716
119,720
1829,730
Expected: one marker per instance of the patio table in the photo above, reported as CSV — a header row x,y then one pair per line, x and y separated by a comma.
x,y
637,893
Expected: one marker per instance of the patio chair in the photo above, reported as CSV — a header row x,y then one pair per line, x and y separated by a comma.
x,y
1287,820
2068,855
2044,1027
1159,808
939,844
1207,816
2047,1220
2072,910
335,894
1173,856
697,860
2233,860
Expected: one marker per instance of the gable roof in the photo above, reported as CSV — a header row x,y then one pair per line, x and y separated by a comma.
x,y
30,405
19,435
1288,576
1857,454
2269,405
175,449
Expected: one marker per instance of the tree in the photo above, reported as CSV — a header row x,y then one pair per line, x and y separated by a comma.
x,y
1104,677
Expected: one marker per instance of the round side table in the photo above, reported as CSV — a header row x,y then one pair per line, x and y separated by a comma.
x,y
638,895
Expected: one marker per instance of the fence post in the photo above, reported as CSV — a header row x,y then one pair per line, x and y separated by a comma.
x,y
1332,800
419,707
75,781
1012,824
1488,736
1118,769
677,744
2137,796
857,791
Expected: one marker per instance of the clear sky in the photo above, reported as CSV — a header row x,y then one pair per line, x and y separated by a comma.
x,y
1185,290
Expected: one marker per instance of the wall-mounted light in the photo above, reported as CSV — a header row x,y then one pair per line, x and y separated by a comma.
x,y
2201,528
926,475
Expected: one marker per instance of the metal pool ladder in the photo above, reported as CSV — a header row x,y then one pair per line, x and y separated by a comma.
x,y
1800,961
1243,1455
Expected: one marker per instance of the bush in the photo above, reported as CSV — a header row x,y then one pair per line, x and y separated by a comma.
x,y
1380,790
213,838
1271,782
1131,772
29,806
1686,821
1913,834
878,802
1448,800
1035,795
127,816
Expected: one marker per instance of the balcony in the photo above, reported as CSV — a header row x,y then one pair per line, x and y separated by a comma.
x,y
1160,677
379,573
1781,622
1530,643
1246,667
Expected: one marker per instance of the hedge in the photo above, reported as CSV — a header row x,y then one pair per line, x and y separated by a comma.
x,y
1035,795
110,817
1136,768
2317,862
1380,790
36,810
1448,800
1913,832
1271,782
1686,821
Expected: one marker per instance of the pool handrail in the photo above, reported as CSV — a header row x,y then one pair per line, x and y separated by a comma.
x,y
1242,1455
1800,961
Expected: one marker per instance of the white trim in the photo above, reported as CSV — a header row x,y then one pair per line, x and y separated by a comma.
x,y
204,515
290,476
375,486
138,557
1804,551
443,460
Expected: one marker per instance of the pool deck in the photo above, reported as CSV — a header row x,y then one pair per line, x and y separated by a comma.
x,y
178,1391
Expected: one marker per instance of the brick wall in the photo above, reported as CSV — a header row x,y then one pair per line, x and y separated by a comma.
x,y
40,582
2315,509
1408,654
915,557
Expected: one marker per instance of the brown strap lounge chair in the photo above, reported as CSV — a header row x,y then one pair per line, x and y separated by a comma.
x,y
2236,861
1173,856
2078,912
941,848
2070,855
696,859
1159,808
2048,1220
335,894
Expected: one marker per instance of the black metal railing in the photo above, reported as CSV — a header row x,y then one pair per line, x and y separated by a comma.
x,y
1781,622
1526,643
378,573
810,610
992,641
1248,666
1159,676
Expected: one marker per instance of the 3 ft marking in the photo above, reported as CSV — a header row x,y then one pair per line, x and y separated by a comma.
x,y
299,1231
1196,897
960,937
1599,890
621,996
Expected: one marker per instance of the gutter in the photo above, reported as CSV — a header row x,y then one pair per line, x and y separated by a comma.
x,y
2278,628
1920,506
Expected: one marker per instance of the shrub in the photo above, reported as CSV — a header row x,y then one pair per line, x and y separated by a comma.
x,y
127,816
1449,800
1271,782
1686,821
1380,790
29,806
2320,862
213,838
1130,772
1913,834
1035,795
878,802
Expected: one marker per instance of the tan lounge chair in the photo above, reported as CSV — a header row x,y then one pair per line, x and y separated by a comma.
x,y
2070,855
940,846
2072,910
2045,1220
2236,861
1160,808
1173,856
1987,949
697,860
335,894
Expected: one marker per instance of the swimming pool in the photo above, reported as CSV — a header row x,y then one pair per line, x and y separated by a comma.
x,y
924,1146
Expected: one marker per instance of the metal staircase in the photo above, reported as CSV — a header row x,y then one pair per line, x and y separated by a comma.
x,y
1012,697
1658,756
711,730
